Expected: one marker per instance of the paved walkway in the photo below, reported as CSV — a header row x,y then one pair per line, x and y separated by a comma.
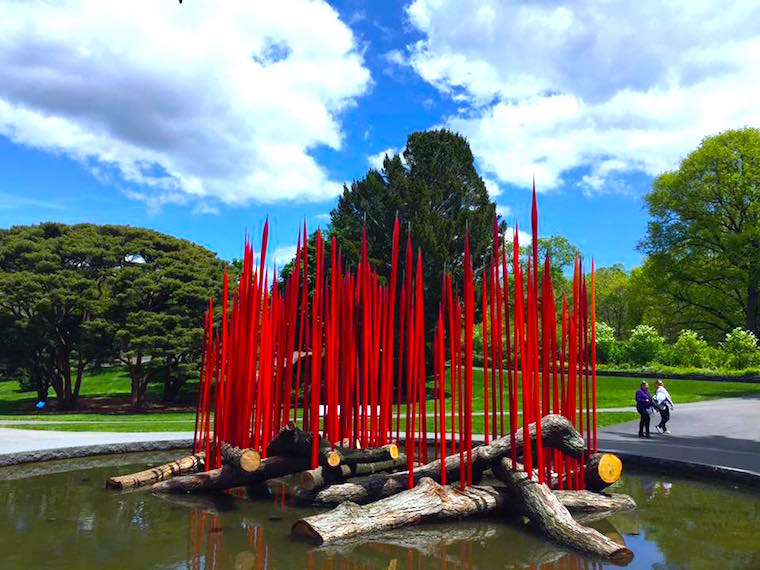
x,y
723,433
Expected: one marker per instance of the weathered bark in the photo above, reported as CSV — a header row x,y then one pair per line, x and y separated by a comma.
x,y
247,460
556,432
590,502
370,455
427,501
602,470
321,476
162,472
550,517
228,476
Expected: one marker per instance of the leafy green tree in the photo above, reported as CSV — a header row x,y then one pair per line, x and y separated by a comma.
x,y
436,193
740,347
160,290
612,298
52,293
645,345
704,237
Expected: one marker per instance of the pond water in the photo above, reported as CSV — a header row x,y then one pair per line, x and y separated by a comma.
x,y
59,515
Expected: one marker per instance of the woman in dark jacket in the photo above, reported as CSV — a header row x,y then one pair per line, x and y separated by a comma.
x,y
643,405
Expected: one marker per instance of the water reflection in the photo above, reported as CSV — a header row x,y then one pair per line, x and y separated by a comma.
x,y
63,518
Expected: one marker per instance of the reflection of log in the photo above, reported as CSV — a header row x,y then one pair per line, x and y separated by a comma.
x,y
228,477
427,501
321,476
185,465
247,460
602,470
549,516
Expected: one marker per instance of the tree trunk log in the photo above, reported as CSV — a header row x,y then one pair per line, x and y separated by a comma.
x,y
427,501
547,514
228,476
557,432
321,476
602,470
591,502
293,441
247,460
188,464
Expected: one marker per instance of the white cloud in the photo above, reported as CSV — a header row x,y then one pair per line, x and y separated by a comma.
x,y
523,237
324,217
199,101
376,160
610,87
491,186
504,211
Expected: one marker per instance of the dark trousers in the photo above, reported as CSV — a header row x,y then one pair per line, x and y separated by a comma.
x,y
664,417
644,423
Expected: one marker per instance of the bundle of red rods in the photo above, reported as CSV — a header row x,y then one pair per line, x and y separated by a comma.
x,y
344,354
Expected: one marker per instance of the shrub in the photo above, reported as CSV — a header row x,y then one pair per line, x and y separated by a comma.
x,y
740,347
645,345
689,350
606,345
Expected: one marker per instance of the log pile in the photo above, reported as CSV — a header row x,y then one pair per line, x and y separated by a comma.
x,y
371,488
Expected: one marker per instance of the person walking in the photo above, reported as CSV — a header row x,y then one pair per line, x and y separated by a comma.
x,y
644,407
664,404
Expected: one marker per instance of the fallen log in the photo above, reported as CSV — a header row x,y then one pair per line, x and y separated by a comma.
x,y
556,432
602,470
247,460
427,501
228,476
321,476
430,501
293,441
188,464
547,514
591,502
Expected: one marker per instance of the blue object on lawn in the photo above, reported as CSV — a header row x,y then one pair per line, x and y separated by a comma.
x,y
40,405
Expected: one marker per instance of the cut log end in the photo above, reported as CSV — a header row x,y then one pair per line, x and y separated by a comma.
x,y
333,458
392,450
250,461
602,470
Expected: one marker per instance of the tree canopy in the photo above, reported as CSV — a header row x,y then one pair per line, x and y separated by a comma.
x,y
75,295
704,236
436,193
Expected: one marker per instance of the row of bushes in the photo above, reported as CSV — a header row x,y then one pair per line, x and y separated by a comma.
x,y
738,351
646,349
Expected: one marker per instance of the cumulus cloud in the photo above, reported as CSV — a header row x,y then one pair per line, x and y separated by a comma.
x,y
198,102
376,160
608,88
503,210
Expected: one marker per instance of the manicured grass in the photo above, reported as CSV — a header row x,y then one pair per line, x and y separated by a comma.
x,y
615,392
612,392
104,383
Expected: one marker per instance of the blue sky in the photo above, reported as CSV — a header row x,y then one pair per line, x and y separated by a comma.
x,y
200,120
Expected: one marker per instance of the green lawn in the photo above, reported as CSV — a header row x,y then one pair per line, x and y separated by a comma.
x,y
611,392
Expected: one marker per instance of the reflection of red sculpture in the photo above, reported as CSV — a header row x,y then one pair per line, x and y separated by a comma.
x,y
339,333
